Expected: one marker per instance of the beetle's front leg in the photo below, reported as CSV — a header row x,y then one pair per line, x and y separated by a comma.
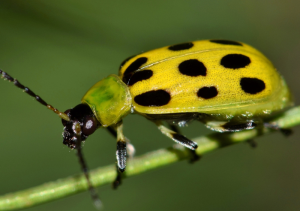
x,y
121,148
129,146
120,154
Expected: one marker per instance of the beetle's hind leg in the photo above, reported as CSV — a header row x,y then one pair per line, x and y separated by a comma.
x,y
234,126
284,131
231,126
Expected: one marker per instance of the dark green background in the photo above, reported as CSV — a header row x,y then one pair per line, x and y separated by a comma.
x,y
61,48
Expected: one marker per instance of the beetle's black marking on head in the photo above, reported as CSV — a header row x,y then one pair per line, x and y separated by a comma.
x,y
235,61
207,92
192,67
132,68
182,46
252,85
226,42
139,76
126,60
153,98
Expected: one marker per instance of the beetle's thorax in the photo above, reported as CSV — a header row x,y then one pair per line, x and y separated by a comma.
x,y
109,99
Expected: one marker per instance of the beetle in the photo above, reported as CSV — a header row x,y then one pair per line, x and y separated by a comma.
x,y
227,85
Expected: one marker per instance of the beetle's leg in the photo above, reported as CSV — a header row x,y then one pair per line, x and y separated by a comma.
x,y
112,131
174,128
176,136
233,126
223,126
194,156
120,154
129,146
284,131
121,148
130,152
118,179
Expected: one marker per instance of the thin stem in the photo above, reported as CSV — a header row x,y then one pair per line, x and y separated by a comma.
x,y
100,176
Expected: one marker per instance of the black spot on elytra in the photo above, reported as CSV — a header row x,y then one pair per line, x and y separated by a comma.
x,y
132,68
153,98
192,67
182,46
226,42
207,92
235,61
252,85
139,76
126,60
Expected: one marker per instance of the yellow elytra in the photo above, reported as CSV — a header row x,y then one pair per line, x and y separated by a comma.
x,y
239,80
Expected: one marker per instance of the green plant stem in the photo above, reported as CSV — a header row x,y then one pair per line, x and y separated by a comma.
x,y
103,175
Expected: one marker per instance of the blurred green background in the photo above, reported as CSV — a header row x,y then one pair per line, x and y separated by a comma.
x,y
61,48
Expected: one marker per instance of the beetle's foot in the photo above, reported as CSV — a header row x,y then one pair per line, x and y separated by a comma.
x,y
118,180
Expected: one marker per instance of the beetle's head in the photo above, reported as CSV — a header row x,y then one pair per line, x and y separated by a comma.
x,y
82,124
79,123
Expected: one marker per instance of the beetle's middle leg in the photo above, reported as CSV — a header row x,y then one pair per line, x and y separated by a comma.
x,y
178,138
194,156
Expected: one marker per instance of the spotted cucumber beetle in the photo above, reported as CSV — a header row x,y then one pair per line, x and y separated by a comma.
x,y
227,85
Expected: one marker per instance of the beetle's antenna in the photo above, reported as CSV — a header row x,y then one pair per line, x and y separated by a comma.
x,y
5,76
95,197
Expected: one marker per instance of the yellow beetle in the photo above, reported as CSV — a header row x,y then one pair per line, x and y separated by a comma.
x,y
227,85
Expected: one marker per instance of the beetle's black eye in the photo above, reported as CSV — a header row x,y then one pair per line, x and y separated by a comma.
x,y
89,125
64,122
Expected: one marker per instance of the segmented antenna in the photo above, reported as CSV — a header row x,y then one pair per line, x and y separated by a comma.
x,y
5,76
64,116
